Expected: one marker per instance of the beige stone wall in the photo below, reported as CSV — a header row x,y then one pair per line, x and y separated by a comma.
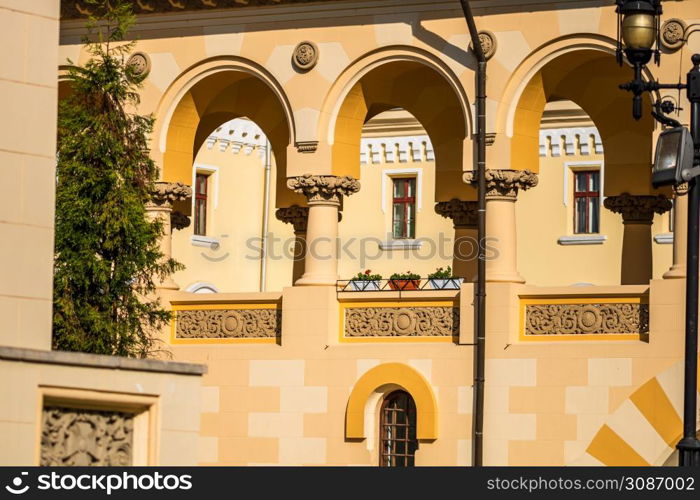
x,y
548,402
28,98
168,401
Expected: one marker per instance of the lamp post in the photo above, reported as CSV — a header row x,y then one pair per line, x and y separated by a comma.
x,y
677,160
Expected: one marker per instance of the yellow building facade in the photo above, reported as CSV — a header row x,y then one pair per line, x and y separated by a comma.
x,y
302,143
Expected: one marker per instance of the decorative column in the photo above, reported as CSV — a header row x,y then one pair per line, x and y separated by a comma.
x,y
163,196
502,188
298,217
324,194
465,255
637,216
680,233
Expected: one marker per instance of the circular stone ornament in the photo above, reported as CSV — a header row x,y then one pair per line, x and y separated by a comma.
x,y
673,34
140,62
305,55
489,44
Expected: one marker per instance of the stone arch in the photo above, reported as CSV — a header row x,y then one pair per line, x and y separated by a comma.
x,y
581,69
645,428
211,93
386,79
392,376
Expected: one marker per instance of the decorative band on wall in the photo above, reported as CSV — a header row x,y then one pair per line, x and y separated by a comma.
x,y
399,321
582,318
226,323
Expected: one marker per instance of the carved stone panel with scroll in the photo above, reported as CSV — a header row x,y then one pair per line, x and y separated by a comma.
x,y
228,324
402,322
84,438
583,319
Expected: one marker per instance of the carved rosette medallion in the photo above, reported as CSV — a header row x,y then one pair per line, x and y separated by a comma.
x,y
673,34
164,194
228,324
402,322
488,42
141,63
305,55
323,189
504,184
84,438
295,215
464,214
581,319
637,209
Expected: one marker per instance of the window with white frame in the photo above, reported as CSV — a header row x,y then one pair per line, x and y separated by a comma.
x,y
201,203
404,207
586,202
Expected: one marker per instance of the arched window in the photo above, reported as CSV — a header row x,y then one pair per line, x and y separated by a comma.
x,y
397,433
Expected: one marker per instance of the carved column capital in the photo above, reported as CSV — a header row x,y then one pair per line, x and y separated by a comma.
x,y
323,189
295,215
504,184
164,194
681,189
637,209
464,214
179,221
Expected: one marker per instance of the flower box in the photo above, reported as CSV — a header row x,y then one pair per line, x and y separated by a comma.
x,y
446,283
365,285
397,284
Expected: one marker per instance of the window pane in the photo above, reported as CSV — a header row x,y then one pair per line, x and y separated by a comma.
x,y
595,181
581,182
398,188
411,223
594,211
580,216
411,187
399,222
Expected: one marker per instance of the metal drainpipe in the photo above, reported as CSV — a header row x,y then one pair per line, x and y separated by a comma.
x,y
480,296
266,218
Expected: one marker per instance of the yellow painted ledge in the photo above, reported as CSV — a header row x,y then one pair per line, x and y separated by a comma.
x,y
405,377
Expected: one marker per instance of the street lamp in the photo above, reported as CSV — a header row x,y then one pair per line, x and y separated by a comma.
x,y
677,160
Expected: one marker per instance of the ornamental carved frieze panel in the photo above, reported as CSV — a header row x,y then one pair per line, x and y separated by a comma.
x,y
581,319
228,324
84,438
402,322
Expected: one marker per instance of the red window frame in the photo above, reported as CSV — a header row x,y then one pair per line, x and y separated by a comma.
x,y
405,201
201,194
398,440
589,195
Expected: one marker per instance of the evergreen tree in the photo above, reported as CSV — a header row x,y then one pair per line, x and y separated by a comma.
x,y
107,251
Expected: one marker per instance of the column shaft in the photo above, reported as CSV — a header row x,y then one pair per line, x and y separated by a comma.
x,y
680,237
637,215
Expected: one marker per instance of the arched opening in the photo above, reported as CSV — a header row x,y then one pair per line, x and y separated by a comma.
x,y
586,77
397,432
233,177
580,137
218,98
434,103
398,172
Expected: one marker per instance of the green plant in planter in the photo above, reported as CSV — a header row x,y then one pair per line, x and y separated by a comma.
x,y
367,276
408,275
441,273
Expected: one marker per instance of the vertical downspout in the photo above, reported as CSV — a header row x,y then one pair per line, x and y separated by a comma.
x,y
266,218
480,296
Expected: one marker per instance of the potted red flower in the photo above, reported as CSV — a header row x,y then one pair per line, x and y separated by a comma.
x,y
404,281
